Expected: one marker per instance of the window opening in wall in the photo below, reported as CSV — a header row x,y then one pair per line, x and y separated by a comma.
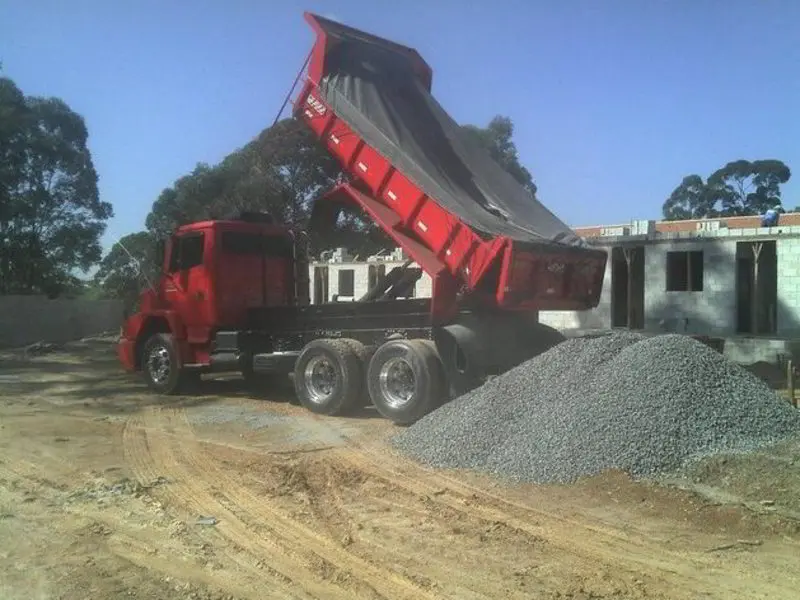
x,y
685,271
627,287
347,281
756,288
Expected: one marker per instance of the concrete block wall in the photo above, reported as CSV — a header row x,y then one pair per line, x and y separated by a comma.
x,y
788,251
360,279
711,311
28,319
423,288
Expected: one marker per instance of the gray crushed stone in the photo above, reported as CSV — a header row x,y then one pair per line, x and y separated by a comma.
x,y
220,414
645,405
294,430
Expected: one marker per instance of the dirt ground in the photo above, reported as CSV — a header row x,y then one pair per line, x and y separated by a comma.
x,y
109,492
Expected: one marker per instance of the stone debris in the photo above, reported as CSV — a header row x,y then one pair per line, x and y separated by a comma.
x,y
645,405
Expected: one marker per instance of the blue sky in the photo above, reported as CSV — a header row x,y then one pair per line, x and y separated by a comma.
x,y
613,102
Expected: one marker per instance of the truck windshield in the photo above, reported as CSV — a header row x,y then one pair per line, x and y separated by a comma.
x,y
256,244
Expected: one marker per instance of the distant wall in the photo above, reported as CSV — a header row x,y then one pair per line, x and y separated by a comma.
x,y
28,319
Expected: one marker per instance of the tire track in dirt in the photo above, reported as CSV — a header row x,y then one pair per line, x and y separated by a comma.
x,y
664,572
383,582
149,454
679,572
122,537
637,555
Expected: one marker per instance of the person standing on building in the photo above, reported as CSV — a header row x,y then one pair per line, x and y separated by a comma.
x,y
771,217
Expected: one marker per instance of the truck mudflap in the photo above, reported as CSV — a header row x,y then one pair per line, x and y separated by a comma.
x,y
480,345
126,353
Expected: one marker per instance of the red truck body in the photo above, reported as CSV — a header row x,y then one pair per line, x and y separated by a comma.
x,y
517,270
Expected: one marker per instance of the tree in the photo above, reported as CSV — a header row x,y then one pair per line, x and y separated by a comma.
x,y
51,215
749,188
282,171
129,266
739,188
497,140
690,200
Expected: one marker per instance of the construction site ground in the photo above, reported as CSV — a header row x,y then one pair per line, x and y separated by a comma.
x,y
107,491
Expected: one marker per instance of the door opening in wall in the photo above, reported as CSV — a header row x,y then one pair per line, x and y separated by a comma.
x,y
375,275
347,283
320,285
627,287
756,288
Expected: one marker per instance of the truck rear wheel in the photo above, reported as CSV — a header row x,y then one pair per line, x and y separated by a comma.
x,y
328,377
161,366
406,380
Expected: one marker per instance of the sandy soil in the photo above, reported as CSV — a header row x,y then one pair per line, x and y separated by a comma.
x,y
109,492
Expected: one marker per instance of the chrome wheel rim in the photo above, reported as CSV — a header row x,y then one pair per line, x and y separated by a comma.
x,y
320,379
397,382
158,365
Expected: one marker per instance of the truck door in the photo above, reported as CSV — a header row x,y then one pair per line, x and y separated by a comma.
x,y
187,286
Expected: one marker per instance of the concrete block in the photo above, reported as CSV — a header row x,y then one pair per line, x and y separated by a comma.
x,y
749,231
765,231
735,232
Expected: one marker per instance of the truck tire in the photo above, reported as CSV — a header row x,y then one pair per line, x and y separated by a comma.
x,y
161,366
328,377
406,380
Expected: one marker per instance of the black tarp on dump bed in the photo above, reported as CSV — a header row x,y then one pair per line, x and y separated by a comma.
x,y
374,90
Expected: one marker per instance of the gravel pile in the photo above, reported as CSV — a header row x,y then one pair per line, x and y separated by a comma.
x,y
646,405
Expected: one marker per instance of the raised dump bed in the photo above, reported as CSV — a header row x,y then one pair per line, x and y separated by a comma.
x,y
439,195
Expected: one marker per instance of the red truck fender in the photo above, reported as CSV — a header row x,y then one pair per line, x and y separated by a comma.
x,y
140,327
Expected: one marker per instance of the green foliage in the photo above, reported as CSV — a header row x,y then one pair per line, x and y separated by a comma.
x,y
283,171
51,216
128,267
497,140
739,188
279,172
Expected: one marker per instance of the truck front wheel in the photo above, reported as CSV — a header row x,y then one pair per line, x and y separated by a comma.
x,y
406,380
161,365
328,377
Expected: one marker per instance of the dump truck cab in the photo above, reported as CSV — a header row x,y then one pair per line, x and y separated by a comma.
x,y
213,273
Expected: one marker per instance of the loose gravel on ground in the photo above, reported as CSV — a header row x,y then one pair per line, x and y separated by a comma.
x,y
645,405
219,414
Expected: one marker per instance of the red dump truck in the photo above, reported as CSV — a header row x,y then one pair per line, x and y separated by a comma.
x,y
234,294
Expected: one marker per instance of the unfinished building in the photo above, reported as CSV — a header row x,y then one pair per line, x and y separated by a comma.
x,y
727,277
